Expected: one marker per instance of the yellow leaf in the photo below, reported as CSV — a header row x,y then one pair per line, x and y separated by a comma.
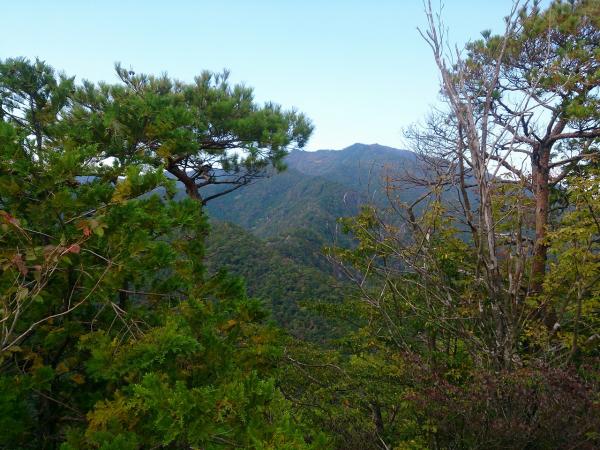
x,y
229,325
61,368
78,378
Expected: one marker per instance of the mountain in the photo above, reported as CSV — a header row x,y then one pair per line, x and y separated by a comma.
x,y
286,200
272,232
359,166
316,189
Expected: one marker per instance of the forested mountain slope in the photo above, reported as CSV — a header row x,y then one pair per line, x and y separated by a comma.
x,y
272,232
272,276
316,189
298,210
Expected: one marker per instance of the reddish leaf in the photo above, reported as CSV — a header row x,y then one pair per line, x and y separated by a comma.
x,y
74,248
10,219
17,260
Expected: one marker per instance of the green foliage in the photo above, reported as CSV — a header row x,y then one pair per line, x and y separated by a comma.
x,y
121,328
291,289
415,370
206,133
199,379
572,283
112,335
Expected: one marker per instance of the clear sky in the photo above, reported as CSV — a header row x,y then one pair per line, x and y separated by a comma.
x,y
358,69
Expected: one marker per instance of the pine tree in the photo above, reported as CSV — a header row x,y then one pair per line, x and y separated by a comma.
x,y
111,333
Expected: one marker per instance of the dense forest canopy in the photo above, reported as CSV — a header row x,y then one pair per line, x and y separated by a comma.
x,y
461,308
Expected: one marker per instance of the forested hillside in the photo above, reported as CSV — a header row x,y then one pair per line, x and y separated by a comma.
x,y
284,274
316,189
291,217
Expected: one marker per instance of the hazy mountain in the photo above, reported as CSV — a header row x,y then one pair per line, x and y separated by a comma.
x,y
272,232
316,189
359,166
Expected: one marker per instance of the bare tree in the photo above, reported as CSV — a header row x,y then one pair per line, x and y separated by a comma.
x,y
520,115
528,100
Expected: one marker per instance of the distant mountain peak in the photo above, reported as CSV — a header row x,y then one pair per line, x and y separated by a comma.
x,y
372,152
353,148
360,147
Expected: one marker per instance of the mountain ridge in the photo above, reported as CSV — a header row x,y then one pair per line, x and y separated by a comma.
x,y
337,181
281,224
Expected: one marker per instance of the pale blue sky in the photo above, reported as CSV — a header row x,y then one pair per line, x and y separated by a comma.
x,y
358,69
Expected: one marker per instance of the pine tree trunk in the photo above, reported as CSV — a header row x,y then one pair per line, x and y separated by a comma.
x,y
190,185
541,190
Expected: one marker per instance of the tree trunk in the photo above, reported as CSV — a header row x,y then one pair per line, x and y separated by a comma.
x,y
190,185
541,191
377,419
